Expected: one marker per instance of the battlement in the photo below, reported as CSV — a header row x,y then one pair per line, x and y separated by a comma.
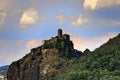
x,y
54,41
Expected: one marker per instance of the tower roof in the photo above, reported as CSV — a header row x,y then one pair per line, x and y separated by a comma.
x,y
59,29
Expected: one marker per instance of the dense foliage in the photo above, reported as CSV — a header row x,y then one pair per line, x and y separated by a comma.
x,y
101,64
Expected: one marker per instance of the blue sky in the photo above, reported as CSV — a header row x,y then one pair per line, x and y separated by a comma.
x,y
25,23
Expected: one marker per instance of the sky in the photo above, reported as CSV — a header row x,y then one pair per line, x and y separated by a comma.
x,y
25,23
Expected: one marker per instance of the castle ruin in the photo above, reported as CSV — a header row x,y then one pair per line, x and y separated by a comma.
x,y
58,40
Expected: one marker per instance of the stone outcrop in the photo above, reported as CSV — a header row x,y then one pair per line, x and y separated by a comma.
x,y
45,62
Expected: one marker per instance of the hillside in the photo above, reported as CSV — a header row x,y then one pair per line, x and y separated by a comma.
x,y
46,62
57,59
3,70
101,64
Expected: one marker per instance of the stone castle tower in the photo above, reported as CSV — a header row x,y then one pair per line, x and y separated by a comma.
x,y
59,33
60,37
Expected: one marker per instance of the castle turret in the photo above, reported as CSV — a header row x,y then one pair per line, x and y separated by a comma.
x,y
66,37
59,33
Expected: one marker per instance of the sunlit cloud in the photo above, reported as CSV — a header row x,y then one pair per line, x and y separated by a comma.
x,y
29,17
79,21
3,16
96,4
90,4
106,22
11,50
60,18
18,50
8,58
115,22
3,4
81,43
33,43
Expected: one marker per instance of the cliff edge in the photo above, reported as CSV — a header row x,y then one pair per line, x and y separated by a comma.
x,y
46,62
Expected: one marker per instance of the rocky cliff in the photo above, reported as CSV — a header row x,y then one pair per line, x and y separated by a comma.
x,y
56,59
46,62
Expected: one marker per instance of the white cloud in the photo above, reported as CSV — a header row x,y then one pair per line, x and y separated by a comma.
x,y
115,22
81,43
3,4
3,16
13,53
32,44
10,53
11,6
30,16
90,4
96,4
8,58
106,22
60,18
81,20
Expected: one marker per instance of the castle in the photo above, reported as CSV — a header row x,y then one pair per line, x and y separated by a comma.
x,y
59,43
56,42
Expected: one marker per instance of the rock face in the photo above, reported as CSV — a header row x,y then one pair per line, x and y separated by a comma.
x,y
45,62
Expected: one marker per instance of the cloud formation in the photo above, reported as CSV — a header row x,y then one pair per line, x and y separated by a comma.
x,y
81,20
116,22
90,4
81,43
10,53
20,49
60,18
3,16
96,4
8,58
3,4
29,16
32,44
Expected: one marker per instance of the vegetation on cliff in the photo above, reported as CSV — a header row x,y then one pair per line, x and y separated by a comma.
x,y
56,59
101,64
46,62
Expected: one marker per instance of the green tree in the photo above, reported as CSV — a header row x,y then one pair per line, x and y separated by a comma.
x,y
62,44
55,44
